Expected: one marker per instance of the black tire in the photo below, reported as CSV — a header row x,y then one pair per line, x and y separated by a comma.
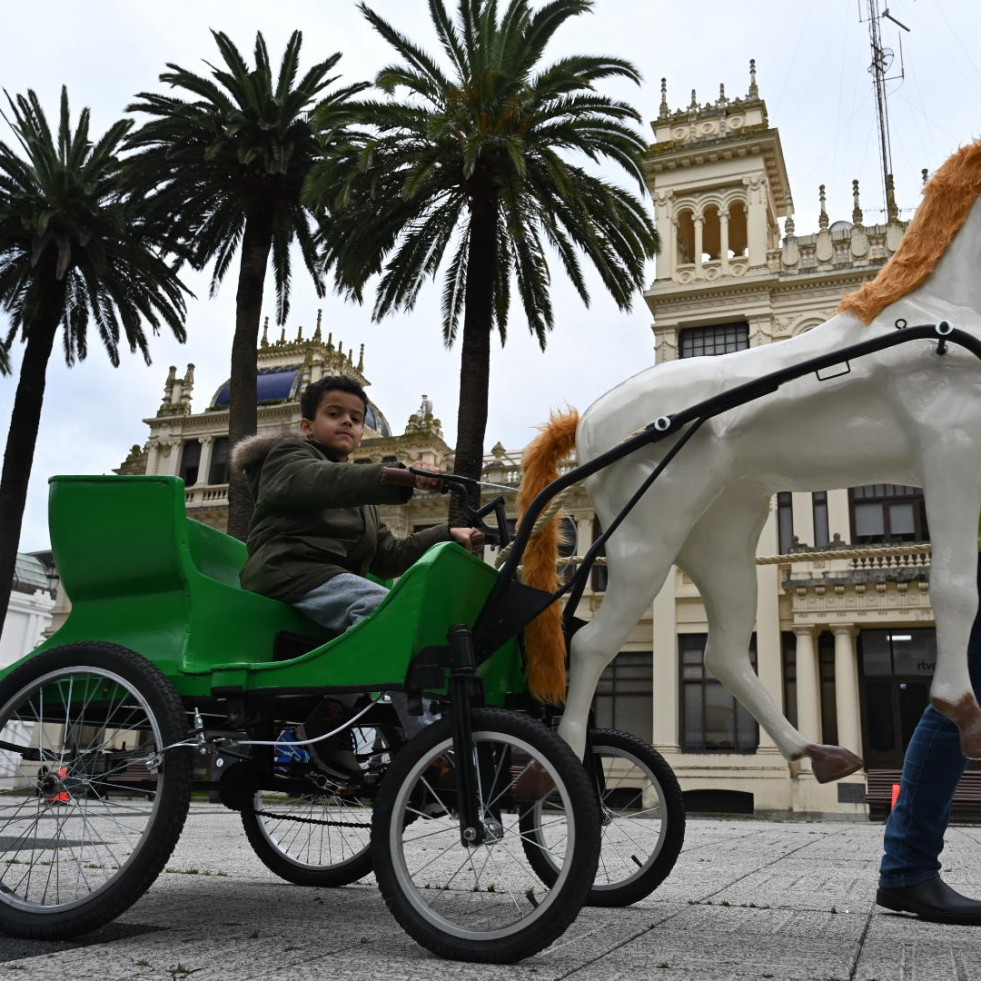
x,y
457,901
321,838
643,820
91,806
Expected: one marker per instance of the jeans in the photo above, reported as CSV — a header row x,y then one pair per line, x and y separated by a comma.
x,y
932,767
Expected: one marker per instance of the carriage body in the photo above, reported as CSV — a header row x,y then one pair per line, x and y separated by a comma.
x,y
141,574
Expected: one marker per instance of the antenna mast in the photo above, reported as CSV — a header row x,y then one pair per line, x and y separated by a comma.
x,y
882,59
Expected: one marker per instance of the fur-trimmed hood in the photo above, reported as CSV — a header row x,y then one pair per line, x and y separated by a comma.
x,y
253,450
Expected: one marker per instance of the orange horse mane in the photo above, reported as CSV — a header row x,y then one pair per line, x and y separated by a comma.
x,y
544,638
947,201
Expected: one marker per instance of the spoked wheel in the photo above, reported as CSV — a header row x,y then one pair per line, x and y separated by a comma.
x,y
91,800
321,837
643,821
483,902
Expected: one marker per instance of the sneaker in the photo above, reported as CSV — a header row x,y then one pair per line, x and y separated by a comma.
x,y
332,755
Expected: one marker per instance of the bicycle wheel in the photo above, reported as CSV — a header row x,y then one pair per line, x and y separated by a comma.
x,y
321,837
643,816
482,902
91,800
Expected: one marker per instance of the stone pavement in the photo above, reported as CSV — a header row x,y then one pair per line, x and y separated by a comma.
x,y
747,900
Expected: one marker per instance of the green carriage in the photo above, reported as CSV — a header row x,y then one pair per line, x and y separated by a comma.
x,y
168,680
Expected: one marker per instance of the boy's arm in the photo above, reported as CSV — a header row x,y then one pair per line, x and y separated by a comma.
x,y
294,476
394,555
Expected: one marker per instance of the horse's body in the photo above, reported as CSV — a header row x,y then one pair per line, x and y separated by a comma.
x,y
907,415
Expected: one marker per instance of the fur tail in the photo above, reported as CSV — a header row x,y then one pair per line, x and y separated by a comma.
x,y
544,640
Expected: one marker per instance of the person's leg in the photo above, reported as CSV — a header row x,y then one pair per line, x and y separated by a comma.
x,y
914,834
337,605
914,837
341,602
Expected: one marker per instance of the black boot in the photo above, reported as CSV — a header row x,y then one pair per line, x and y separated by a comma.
x,y
932,900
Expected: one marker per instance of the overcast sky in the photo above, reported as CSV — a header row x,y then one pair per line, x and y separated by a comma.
x,y
812,60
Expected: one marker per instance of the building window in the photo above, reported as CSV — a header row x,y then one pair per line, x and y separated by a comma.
x,y
829,705
190,461
717,339
785,521
885,514
219,461
625,694
686,238
788,650
598,574
712,721
819,508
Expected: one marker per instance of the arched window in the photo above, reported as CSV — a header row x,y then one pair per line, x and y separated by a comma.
x,y
686,238
737,229
711,234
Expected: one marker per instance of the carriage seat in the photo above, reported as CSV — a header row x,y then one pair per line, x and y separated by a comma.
x,y
140,573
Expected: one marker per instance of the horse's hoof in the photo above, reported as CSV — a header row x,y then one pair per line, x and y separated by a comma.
x,y
966,715
831,762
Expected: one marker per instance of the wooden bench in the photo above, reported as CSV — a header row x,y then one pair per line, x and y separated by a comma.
x,y
967,800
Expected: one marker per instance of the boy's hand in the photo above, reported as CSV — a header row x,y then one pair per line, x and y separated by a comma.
x,y
427,483
470,538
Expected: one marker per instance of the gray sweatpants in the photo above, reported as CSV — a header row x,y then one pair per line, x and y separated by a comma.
x,y
338,605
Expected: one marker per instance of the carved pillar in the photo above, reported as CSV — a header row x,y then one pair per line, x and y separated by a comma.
x,y
846,689
204,466
808,685
698,221
151,457
724,240
667,676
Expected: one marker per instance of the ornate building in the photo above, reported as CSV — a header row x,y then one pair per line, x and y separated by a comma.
x,y
844,635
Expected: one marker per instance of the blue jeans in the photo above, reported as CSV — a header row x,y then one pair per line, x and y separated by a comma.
x,y
932,767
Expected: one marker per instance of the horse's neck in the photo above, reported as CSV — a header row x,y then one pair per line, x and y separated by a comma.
x,y
956,279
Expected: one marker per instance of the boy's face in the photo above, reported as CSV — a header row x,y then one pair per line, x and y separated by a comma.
x,y
338,423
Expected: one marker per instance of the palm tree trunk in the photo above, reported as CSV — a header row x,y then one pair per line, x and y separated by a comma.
x,y
478,322
21,441
243,414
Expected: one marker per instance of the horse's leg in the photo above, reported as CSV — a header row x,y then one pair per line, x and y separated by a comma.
x,y
952,486
635,576
719,556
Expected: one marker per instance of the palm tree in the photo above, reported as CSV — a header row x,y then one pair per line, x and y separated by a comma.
x,y
475,160
227,168
73,249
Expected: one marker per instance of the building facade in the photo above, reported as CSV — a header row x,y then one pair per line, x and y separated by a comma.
x,y
31,606
844,639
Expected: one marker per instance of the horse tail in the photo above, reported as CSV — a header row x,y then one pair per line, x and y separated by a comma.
x,y
544,638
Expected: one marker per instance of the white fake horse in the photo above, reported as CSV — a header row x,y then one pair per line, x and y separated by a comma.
x,y
906,415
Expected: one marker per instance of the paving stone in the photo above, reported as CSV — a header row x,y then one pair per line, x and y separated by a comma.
x,y
748,900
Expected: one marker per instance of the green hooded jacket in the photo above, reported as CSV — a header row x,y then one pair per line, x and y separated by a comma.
x,y
315,517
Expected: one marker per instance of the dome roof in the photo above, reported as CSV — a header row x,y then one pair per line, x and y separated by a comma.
x,y
30,574
274,385
281,384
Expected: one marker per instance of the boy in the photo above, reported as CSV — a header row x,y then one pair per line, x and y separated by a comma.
x,y
315,532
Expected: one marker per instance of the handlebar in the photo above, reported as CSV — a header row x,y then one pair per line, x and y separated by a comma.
x,y
500,535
